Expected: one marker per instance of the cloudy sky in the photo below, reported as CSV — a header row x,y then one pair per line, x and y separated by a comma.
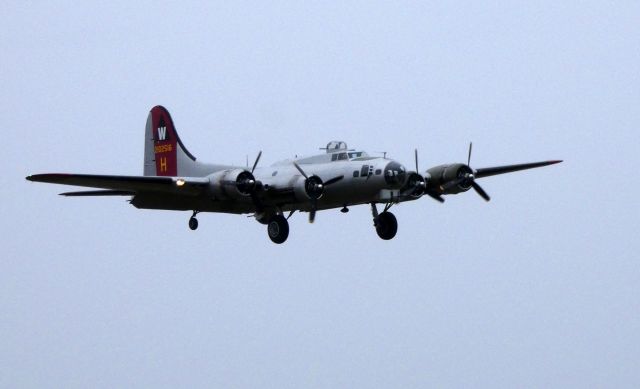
x,y
538,288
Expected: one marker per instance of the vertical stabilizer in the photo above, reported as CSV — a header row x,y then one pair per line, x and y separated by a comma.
x,y
164,153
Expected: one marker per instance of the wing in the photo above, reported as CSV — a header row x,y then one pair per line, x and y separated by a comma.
x,y
493,171
124,185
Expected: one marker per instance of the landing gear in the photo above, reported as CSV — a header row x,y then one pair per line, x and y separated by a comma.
x,y
278,229
193,222
344,209
385,223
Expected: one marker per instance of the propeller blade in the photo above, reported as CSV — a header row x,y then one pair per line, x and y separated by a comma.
x,y
300,170
256,162
416,158
436,197
480,191
333,180
312,213
469,157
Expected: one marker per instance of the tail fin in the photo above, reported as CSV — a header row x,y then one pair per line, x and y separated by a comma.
x,y
164,153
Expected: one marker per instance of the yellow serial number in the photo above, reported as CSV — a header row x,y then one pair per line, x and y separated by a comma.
x,y
163,148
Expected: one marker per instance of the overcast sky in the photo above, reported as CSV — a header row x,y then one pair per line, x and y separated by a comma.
x,y
538,288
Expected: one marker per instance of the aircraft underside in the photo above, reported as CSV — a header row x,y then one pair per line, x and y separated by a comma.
x,y
272,215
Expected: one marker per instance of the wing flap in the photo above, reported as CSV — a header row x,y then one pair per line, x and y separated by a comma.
x,y
130,184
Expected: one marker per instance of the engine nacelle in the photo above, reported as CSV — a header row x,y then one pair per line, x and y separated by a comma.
x,y
311,188
416,185
438,177
232,184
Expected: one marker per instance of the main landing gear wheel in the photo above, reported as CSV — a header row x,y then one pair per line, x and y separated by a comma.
x,y
193,222
278,229
386,225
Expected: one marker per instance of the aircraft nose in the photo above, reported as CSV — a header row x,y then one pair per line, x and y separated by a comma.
x,y
395,174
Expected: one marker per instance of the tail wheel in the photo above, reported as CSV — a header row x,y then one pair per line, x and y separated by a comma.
x,y
386,225
278,229
193,223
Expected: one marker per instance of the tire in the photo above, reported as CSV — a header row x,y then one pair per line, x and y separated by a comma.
x,y
193,223
278,229
386,225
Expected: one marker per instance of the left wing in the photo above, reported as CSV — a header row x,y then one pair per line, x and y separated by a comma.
x,y
124,185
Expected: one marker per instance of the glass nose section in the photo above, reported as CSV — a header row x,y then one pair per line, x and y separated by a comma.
x,y
395,174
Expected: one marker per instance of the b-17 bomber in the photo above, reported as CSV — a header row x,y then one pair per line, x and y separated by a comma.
x,y
339,177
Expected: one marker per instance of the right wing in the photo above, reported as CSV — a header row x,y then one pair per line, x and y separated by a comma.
x,y
124,185
492,171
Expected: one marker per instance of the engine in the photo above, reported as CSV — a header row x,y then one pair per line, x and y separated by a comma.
x,y
232,184
416,185
449,179
311,188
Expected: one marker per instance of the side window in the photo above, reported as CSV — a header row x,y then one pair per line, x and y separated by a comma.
x,y
378,172
364,171
343,156
334,157
356,173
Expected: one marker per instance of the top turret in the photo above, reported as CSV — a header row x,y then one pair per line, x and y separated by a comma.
x,y
336,145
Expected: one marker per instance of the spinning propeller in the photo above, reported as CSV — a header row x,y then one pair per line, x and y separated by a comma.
x,y
314,187
424,186
467,178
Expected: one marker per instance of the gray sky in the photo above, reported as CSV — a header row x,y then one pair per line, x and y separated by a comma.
x,y
539,288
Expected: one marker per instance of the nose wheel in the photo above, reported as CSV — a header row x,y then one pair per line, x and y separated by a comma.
x,y
193,222
278,229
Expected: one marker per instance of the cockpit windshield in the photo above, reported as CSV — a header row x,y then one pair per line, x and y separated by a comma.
x,y
339,157
357,154
351,155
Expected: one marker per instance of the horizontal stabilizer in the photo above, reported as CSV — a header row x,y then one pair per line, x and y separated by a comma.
x,y
99,193
492,171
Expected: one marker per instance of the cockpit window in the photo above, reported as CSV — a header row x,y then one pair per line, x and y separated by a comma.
x,y
359,155
339,157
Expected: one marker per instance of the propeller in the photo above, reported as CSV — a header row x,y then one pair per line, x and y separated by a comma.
x,y
254,185
468,177
314,186
256,162
431,194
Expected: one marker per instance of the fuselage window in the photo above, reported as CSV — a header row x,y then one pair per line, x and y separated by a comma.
x,y
364,171
356,173
342,156
378,172
274,173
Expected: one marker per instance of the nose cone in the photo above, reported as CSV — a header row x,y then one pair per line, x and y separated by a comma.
x,y
395,174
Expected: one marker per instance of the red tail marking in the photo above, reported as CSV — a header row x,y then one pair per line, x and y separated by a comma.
x,y
164,142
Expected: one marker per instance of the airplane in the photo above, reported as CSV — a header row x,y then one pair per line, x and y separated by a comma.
x,y
338,178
